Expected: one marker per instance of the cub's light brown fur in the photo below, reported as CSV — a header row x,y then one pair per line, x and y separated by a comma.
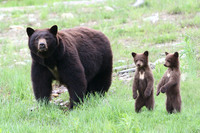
x,y
143,82
170,83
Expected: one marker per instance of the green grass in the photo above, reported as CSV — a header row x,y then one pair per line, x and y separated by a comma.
x,y
8,3
178,23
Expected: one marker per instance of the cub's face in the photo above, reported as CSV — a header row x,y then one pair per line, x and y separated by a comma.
x,y
42,42
140,59
171,59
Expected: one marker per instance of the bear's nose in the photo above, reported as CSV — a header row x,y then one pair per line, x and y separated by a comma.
x,y
138,65
42,45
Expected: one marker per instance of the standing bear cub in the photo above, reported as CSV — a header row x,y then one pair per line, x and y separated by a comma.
x,y
143,82
80,58
170,83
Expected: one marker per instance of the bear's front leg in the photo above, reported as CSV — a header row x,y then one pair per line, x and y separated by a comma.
x,y
76,84
169,84
149,88
160,84
134,88
73,76
41,81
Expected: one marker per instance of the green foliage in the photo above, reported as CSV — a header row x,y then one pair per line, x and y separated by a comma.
x,y
8,3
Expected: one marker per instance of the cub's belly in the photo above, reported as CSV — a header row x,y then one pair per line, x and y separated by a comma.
x,y
142,86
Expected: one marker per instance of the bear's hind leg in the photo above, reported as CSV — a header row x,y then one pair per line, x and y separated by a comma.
x,y
169,106
105,80
100,83
177,104
149,103
139,103
95,86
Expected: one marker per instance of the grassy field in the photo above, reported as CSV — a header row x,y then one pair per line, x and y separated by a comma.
x,y
129,29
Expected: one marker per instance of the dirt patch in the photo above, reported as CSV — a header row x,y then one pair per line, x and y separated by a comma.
x,y
171,17
16,35
171,44
89,24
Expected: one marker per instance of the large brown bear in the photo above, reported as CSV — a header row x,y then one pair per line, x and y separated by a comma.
x,y
80,58
143,82
170,83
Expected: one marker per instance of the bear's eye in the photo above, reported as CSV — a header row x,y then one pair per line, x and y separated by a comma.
x,y
168,60
136,60
36,38
47,37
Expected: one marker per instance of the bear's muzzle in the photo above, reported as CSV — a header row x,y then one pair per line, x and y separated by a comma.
x,y
42,45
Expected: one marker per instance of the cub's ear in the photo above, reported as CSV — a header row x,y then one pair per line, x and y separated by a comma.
x,y
29,31
146,53
176,54
133,54
166,53
54,29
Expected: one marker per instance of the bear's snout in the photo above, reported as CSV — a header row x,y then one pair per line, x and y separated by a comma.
x,y
139,64
167,64
42,45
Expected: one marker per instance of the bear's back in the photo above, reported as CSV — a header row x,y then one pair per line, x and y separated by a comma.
x,y
92,46
83,37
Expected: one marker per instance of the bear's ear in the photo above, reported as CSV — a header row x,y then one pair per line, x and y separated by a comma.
x,y
176,54
29,31
133,54
146,53
166,53
54,29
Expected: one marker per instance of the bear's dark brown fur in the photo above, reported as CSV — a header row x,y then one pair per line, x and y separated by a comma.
x,y
80,58
143,82
170,83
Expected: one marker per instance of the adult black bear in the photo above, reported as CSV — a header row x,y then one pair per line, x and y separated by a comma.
x,y
80,58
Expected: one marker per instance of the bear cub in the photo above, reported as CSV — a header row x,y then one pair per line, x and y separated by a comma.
x,y
170,83
143,82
